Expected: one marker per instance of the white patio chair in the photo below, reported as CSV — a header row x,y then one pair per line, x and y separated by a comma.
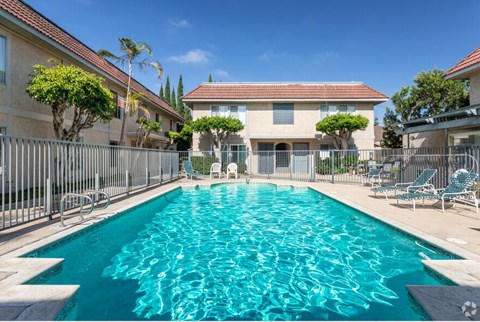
x,y
232,169
216,169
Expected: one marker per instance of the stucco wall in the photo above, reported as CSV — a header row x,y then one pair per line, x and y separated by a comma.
x,y
259,125
475,88
22,116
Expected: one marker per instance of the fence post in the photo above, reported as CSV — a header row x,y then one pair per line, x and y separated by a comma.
x,y
49,199
146,169
97,185
160,165
171,168
332,158
126,182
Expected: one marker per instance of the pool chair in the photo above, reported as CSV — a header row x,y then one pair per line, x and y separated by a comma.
x,y
372,177
420,184
457,190
216,169
188,170
232,170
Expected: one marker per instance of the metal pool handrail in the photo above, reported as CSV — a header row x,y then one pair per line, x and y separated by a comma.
x,y
77,195
89,195
96,193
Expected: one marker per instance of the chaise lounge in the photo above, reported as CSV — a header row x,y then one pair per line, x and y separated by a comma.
x,y
457,190
420,184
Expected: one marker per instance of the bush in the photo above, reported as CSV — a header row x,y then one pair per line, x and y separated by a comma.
x,y
202,164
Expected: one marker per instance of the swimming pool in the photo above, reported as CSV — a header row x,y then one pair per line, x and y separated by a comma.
x,y
242,251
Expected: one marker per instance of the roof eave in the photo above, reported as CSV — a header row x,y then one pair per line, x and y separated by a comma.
x,y
463,73
240,100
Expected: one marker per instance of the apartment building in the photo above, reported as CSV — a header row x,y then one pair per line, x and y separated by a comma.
x,y
28,38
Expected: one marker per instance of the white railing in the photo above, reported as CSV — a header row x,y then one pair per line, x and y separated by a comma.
x,y
36,173
343,166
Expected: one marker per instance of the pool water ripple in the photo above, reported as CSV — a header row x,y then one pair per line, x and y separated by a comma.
x,y
255,252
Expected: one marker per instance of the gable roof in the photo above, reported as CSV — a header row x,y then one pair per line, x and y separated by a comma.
x,y
469,63
77,49
284,92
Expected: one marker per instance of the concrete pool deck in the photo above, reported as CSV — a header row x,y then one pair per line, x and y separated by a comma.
x,y
457,231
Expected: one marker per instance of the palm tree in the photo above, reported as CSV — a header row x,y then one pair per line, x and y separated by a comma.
x,y
131,55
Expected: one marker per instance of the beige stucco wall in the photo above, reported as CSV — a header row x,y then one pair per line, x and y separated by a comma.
x,y
259,125
22,116
475,88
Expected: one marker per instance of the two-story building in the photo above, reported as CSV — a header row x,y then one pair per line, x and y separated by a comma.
x,y
28,38
282,116
453,128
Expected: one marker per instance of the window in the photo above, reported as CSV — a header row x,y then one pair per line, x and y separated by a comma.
x,y
157,117
327,110
3,59
171,125
234,153
119,102
238,112
282,113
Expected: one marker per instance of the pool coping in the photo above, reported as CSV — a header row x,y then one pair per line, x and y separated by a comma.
x,y
463,272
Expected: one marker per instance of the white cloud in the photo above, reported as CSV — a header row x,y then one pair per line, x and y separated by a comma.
x,y
325,56
194,56
221,72
264,57
182,23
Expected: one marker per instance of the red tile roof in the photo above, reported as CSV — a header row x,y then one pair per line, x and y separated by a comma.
x,y
321,91
38,22
470,60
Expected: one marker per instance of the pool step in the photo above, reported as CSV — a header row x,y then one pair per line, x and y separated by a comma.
x,y
454,303
34,302
463,272
15,271
31,302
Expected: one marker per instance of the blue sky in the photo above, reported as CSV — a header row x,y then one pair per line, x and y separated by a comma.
x,y
383,43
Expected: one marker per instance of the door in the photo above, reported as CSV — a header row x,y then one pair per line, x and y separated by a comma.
x,y
265,158
300,157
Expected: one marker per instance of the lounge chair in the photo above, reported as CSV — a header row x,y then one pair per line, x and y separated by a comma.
x,y
188,170
232,169
216,169
457,190
420,184
372,177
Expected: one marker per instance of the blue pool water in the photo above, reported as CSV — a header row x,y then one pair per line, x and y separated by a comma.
x,y
241,252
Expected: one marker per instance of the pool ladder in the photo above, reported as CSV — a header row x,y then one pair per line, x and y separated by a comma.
x,y
88,196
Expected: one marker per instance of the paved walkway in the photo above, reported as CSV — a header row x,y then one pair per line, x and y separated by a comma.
x,y
457,230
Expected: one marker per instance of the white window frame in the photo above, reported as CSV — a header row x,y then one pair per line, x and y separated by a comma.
x,y
328,110
226,111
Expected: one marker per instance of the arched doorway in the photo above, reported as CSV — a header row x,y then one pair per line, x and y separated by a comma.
x,y
282,156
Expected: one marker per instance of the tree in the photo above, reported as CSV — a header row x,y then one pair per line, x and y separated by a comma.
x,y
132,53
341,127
217,128
432,94
167,91
185,135
69,87
160,93
210,80
390,139
173,100
144,130
375,122
180,107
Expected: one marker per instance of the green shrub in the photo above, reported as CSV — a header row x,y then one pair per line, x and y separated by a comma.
x,y
202,164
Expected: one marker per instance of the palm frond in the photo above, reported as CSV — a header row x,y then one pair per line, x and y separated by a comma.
x,y
156,65
141,46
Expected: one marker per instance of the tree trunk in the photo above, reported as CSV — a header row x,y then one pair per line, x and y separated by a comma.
x,y
122,131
